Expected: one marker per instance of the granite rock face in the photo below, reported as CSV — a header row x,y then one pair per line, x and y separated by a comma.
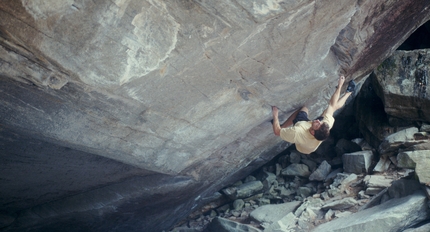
x,y
402,84
170,99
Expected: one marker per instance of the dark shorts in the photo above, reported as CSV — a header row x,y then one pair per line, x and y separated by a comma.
x,y
303,116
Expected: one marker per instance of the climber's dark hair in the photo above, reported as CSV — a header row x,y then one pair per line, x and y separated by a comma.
x,y
323,132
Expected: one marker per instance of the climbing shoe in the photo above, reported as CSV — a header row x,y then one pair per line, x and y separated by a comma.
x,y
351,86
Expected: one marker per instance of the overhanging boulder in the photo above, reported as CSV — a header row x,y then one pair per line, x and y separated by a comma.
x,y
178,89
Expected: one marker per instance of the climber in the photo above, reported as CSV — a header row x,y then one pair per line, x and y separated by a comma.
x,y
307,134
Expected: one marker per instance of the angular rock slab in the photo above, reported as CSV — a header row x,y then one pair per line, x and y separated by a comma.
x,y
403,138
224,225
244,190
357,162
341,204
296,170
383,164
393,215
322,171
420,160
287,223
274,213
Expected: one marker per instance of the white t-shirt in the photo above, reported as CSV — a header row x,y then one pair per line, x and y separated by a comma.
x,y
299,134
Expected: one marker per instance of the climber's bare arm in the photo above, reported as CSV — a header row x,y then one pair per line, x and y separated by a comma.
x,y
275,123
336,102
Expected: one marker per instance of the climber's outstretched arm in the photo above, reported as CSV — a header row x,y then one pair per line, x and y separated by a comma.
x,y
336,102
275,123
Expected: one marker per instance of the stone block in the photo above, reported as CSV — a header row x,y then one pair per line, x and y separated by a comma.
x,y
357,162
383,164
219,224
273,213
419,160
321,173
402,138
377,181
296,170
341,204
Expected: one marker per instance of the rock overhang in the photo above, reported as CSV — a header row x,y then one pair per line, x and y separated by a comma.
x,y
184,88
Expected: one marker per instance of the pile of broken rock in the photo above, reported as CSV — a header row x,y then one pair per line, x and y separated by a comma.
x,y
301,193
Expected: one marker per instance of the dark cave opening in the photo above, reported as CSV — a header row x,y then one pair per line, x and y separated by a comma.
x,y
420,39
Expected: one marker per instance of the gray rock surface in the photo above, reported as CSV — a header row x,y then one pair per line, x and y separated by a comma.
x,y
169,98
419,160
423,228
296,170
286,224
403,138
219,224
394,215
322,172
274,213
341,204
411,101
357,162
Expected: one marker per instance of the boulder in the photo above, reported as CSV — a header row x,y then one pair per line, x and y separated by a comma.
x,y
383,164
244,190
321,173
377,181
301,170
219,224
287,223
304,191
268,179
401,139
273,213
332,175
403,187
295,157
238,204
419,160
310,163
341,204
418,147
357,162
402,84
175,95
425,127
394,215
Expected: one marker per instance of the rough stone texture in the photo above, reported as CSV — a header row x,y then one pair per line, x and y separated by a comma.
x,y
224,225
383,164
423,228
357,162
394,215
377,181
171,94
321,173
400,139
341,204
287,223
296,170
402,84
274,213
419,160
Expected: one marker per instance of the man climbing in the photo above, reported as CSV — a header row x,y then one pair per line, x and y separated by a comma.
x,y
307,134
